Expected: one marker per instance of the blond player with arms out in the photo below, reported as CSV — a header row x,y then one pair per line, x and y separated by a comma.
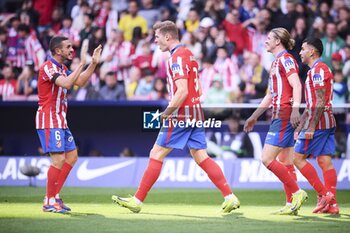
x,y
315,134
284,95
54,80
184,90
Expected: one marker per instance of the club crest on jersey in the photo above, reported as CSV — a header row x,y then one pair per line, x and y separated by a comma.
x,y
317,79
58,144
175,68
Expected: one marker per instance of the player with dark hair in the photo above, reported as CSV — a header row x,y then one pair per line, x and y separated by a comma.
x,y
284,95
317,128
184,90
54,80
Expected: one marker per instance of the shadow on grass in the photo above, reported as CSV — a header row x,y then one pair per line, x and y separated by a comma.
x,y
77,214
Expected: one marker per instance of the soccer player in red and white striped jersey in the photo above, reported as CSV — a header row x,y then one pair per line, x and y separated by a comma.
x,y
284,95
317,127
184,91
54,80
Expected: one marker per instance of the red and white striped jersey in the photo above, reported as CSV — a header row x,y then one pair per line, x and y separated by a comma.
x,y
281,91
228,70
34,50
123,54
7,88
183,65
52,98
319,77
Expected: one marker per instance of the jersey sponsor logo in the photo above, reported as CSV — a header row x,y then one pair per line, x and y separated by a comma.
x,y
175,68
289,63
85,173
318,79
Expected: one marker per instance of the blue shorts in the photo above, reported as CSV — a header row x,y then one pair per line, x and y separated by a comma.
x,y
56,140
323,143
281,134
178,138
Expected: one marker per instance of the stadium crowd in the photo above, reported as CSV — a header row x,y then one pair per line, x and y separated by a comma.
x,y
226,36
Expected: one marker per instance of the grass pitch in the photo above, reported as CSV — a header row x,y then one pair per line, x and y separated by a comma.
x,y
165,211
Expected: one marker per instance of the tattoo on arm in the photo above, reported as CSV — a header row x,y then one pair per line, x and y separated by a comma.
x,y
320,106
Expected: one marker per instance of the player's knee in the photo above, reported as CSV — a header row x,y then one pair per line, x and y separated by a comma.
x,y
154,154
298,160
266,160
58,161
324,163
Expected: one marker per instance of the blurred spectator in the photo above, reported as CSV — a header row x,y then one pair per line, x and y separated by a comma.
x,y
78,15
340,92
33,50
149,12
192,21
191,42
231,144
56,18
254,84
227,69
159,90
235,32
86,32
331,43
8,83
33,15
3,46
247,10
135,76
275,12
324,11
144,60
144,90
45,9
288,20
12,43
346,67
217,93
337,62
343,24
86,92
215,10
27,82
167,13
107,17
318,28
128,22
68,31
126,153
112,90
159,60
206,76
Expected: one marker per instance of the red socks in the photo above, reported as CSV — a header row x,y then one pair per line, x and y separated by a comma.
x,y
282,173
309,172
66,168
216,175
330,181
149,178
52,176
293,174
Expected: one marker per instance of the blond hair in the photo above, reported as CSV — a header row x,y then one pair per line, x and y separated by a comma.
x,y
167,27
283,35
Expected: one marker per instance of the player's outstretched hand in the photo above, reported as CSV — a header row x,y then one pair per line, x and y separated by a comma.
x,y
97,54
83,51
249,124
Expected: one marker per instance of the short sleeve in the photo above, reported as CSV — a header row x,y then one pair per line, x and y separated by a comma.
x,y
180,68
289,66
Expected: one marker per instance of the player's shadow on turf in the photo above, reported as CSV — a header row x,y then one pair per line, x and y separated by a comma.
x,y
180,215
77,214
318,218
